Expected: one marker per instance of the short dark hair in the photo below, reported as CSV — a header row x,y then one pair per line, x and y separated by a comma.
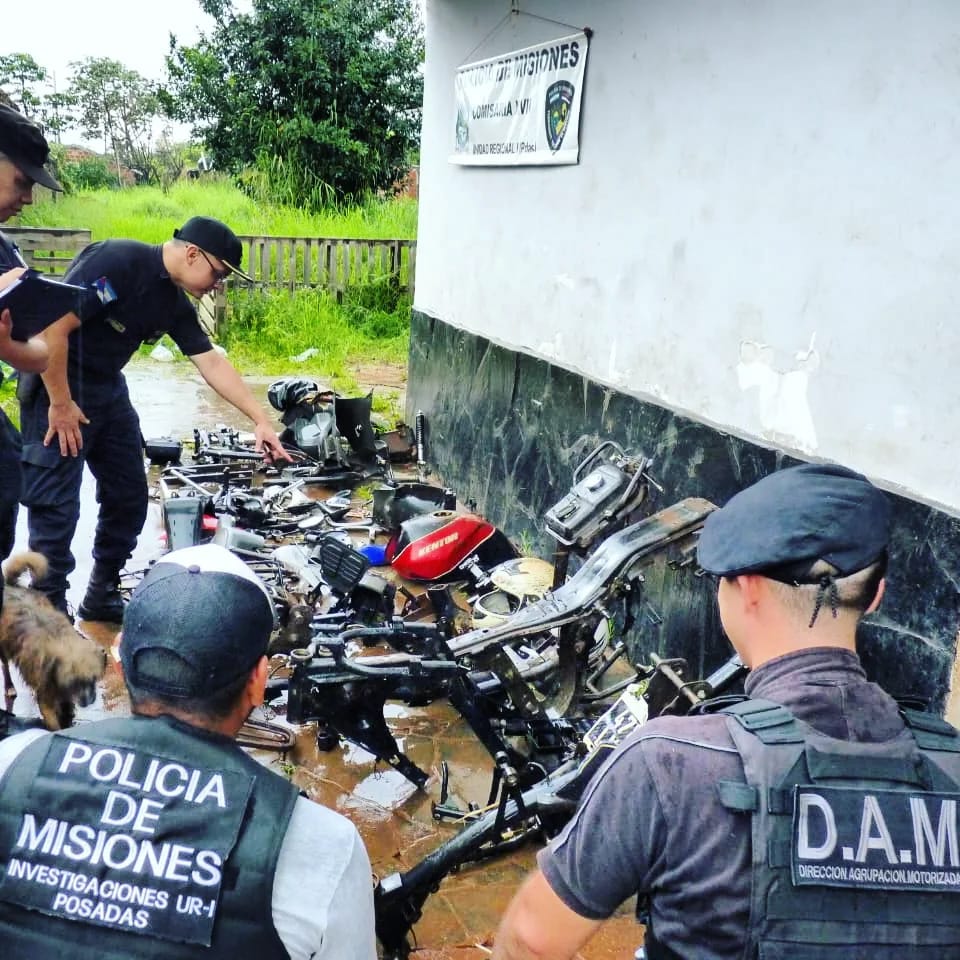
x,y
854,592
215,705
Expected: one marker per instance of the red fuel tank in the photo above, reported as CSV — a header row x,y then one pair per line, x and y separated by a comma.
x,y
431,547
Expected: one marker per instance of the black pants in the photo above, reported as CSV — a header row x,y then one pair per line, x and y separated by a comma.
x,y
113,451
10,483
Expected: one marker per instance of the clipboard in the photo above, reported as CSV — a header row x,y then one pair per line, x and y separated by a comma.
x,y
35,301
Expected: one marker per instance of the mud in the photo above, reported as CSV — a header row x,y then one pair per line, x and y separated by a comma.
x,y
393,817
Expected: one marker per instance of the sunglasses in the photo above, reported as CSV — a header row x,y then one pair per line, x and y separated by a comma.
x,y
218,275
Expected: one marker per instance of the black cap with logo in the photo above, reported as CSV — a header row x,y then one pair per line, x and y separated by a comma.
x,y
215,238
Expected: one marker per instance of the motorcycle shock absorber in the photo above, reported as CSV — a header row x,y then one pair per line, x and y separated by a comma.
x,y
418,429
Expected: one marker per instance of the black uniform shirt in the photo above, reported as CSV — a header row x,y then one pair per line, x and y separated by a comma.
x,y
9,255
147,305
651,821
9,259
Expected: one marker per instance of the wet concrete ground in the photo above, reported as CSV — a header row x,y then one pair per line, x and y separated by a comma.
x,y
393,818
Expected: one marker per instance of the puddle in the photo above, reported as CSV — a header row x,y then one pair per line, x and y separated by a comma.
x,y
386,789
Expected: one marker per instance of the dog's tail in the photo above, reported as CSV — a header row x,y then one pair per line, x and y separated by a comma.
x,y
20,563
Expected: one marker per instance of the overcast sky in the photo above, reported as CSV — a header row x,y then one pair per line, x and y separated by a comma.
x,y
135,33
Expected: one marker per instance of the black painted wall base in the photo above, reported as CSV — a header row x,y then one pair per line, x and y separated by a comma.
x,y
506,430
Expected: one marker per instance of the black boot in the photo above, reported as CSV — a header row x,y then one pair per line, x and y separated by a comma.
x,y
59,600
102,600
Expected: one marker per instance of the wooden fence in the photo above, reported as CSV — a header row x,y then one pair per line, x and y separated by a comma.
x,y
331,263
48,249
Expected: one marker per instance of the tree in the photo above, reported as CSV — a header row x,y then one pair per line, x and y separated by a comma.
x,y
21,70
322,97
56,111
117,104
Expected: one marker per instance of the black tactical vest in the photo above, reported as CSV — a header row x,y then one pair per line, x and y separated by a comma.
x,y
140,837
856,846
856,849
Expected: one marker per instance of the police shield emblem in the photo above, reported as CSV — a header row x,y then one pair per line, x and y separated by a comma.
x,y
463,130
557,111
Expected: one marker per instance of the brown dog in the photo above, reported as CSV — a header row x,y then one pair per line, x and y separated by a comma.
x,y
58,663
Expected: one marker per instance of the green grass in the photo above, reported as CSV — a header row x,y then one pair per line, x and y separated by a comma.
x,y
8,399
266,331
150,214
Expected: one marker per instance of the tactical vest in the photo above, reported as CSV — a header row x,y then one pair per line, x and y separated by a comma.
x,y
856,846
156,840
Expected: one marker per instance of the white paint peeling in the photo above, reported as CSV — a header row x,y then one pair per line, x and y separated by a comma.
x,y
552,349
615,376
783,407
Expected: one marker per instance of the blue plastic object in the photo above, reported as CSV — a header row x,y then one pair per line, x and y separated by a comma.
x,y
376,553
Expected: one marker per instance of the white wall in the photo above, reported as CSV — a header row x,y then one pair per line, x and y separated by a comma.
x,y
763,230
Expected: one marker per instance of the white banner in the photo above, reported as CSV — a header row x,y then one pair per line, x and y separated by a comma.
x,y
522,107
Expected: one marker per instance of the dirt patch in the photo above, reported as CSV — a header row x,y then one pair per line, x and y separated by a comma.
x,y
390,375
385,380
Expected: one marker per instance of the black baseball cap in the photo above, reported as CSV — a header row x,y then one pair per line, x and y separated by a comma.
x,y
217,238
783,524
198,620
22,143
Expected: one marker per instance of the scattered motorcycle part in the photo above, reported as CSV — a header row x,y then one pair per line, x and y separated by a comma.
x,y
353,421
182,524
517,582
298,561
433,546
163,450
392,505
401,444
286,394
607,483
376,553
419,430
233,538
263,735
343,567
295,628
311,523
250,510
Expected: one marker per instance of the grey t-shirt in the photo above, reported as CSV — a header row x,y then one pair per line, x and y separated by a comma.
x,y
322,889
650,822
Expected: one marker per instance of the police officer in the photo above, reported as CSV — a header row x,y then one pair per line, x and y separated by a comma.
x,y
81,411
813,819
23,153
156,835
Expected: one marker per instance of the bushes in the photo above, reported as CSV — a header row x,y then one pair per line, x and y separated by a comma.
x,y
85,173
378,310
